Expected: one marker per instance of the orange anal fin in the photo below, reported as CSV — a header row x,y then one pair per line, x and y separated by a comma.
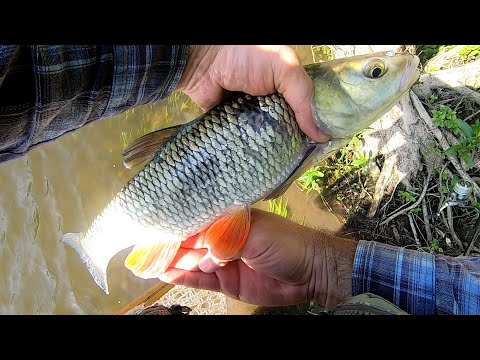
x,y
228,234
151,261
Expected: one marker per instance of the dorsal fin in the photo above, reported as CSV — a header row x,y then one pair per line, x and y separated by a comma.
x,y
143,148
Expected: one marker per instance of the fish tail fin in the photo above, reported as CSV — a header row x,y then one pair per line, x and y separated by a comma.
x,y
99,273
150,261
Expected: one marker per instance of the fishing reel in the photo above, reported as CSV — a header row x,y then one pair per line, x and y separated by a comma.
x,y
459,196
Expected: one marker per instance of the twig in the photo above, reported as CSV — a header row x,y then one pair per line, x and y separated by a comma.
x,y
442,141
415,204
389,200
415,219
428,230
412,225
452,230
474,238
472,115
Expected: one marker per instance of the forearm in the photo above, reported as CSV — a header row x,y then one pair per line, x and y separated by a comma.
x,y
46,91
332,268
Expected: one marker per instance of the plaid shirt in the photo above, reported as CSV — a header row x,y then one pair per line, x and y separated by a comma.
x,y
47,91
418,282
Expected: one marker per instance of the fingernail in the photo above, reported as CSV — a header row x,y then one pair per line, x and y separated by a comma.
x,y
207,265
165,278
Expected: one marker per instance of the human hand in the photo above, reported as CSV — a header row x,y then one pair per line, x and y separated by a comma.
x,y
281,263
255,70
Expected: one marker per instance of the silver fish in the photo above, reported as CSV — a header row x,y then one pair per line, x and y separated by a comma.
x,y
205,175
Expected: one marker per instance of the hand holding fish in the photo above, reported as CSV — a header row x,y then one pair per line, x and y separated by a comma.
x,y
211,71
281,263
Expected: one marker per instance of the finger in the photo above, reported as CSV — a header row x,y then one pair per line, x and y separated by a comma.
x,y
297,88
300,100
210,263
196,241
207,94
188,259
199,280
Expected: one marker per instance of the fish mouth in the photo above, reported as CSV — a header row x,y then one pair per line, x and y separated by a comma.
x,y
411,73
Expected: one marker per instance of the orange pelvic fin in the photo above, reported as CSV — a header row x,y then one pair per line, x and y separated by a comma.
x,y
228,234
151,261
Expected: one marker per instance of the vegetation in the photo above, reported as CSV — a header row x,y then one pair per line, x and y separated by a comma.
x,y
426,52
469,142
339,176
278,206
470,52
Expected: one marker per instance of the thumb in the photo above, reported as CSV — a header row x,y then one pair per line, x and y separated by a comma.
x,y
299,94
296,86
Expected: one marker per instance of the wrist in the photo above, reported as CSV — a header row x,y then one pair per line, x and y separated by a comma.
x,y
199,59
332,269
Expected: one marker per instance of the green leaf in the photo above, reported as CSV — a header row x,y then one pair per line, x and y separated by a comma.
x,y
356,142
466,129
468,160
358,162
407,196
452,150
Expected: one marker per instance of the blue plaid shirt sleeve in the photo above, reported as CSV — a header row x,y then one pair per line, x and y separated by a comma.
x,y
417,282
47,91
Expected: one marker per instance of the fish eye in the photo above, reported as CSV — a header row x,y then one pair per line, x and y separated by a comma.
x,y
375,69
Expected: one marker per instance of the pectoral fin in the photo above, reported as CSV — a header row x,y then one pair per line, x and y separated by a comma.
x,y
296,173
143,148
228,234
315,153
151,261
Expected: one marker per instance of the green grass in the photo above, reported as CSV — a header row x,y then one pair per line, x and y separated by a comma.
x,y
349,159
278,206
338,177
470,52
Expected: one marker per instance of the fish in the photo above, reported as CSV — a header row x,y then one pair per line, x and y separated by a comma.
x,y
204,176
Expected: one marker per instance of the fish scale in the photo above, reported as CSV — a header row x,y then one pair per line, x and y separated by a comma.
x,y
212,149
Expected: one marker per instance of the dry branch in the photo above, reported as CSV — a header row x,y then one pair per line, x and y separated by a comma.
x,y
460,79
415,204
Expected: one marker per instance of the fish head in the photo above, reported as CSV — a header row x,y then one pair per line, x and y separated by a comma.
x,y
352,93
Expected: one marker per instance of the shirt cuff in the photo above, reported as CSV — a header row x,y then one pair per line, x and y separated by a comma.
x,y
402,276
458,285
